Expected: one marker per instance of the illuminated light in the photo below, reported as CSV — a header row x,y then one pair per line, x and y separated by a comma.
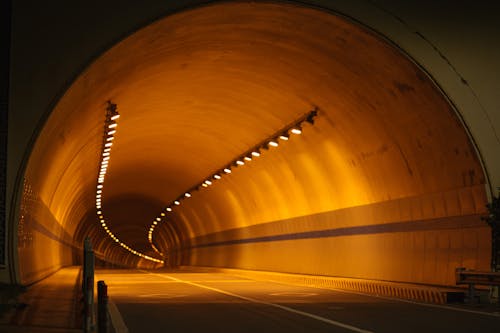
x,y
109,144
106,154
99,186
255,153
111,138
169,209
116,116
158,219
296,130
240,162
112,132
273,143
113,125
99,192
155,223
105,159
104,163
247,158
107,150
98,196
100,181
99,212
284,137
177,202
217,177
162,214
208,182
187,195
226,170
204,185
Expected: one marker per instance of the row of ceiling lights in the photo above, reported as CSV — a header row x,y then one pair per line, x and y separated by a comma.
x,y
272,141
110,127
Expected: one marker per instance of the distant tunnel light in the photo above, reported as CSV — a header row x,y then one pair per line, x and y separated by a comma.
x,y
255,151
111,116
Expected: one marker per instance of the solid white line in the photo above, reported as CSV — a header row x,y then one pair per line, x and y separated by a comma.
x,y
302,313
116,318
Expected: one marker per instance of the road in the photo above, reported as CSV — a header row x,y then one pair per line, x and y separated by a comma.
x,y
216,302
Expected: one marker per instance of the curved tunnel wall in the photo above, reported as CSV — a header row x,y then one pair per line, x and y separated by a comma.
x,y
385,185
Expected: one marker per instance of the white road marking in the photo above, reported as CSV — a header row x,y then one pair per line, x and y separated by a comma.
x,y
292,294
302,313
116,318
161,295
439,306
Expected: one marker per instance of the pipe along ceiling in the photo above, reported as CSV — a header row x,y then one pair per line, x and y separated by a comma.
x,y
383,181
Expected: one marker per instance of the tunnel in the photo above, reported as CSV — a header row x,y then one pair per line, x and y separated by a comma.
x,y
384,182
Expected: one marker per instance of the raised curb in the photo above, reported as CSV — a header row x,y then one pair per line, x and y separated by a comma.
x,y
428,294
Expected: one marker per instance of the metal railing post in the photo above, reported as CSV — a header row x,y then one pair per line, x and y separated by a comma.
x,y
88,286
102,307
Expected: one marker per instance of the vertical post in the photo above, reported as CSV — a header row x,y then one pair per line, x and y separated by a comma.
x,y
472,300
102,307
88,286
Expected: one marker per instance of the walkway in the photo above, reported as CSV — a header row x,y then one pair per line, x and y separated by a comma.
x,y
51,306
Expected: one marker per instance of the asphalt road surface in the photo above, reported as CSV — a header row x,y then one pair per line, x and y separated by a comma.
x,y
215,302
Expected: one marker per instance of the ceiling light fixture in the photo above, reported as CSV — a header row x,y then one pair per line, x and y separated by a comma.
x,y
110,126
282,134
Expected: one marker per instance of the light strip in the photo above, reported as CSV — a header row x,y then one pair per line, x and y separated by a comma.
x,y
256,151
110,123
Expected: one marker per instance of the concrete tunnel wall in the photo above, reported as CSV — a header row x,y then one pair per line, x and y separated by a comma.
x,y
385,185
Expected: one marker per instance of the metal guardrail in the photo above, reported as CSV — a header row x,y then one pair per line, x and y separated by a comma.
x,y
473,278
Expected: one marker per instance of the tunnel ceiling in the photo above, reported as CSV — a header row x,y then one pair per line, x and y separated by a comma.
x,y
198,88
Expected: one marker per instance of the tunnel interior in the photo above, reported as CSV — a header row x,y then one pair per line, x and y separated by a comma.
x,y
385,184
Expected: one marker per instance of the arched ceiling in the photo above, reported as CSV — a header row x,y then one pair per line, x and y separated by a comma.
x,y
198,88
